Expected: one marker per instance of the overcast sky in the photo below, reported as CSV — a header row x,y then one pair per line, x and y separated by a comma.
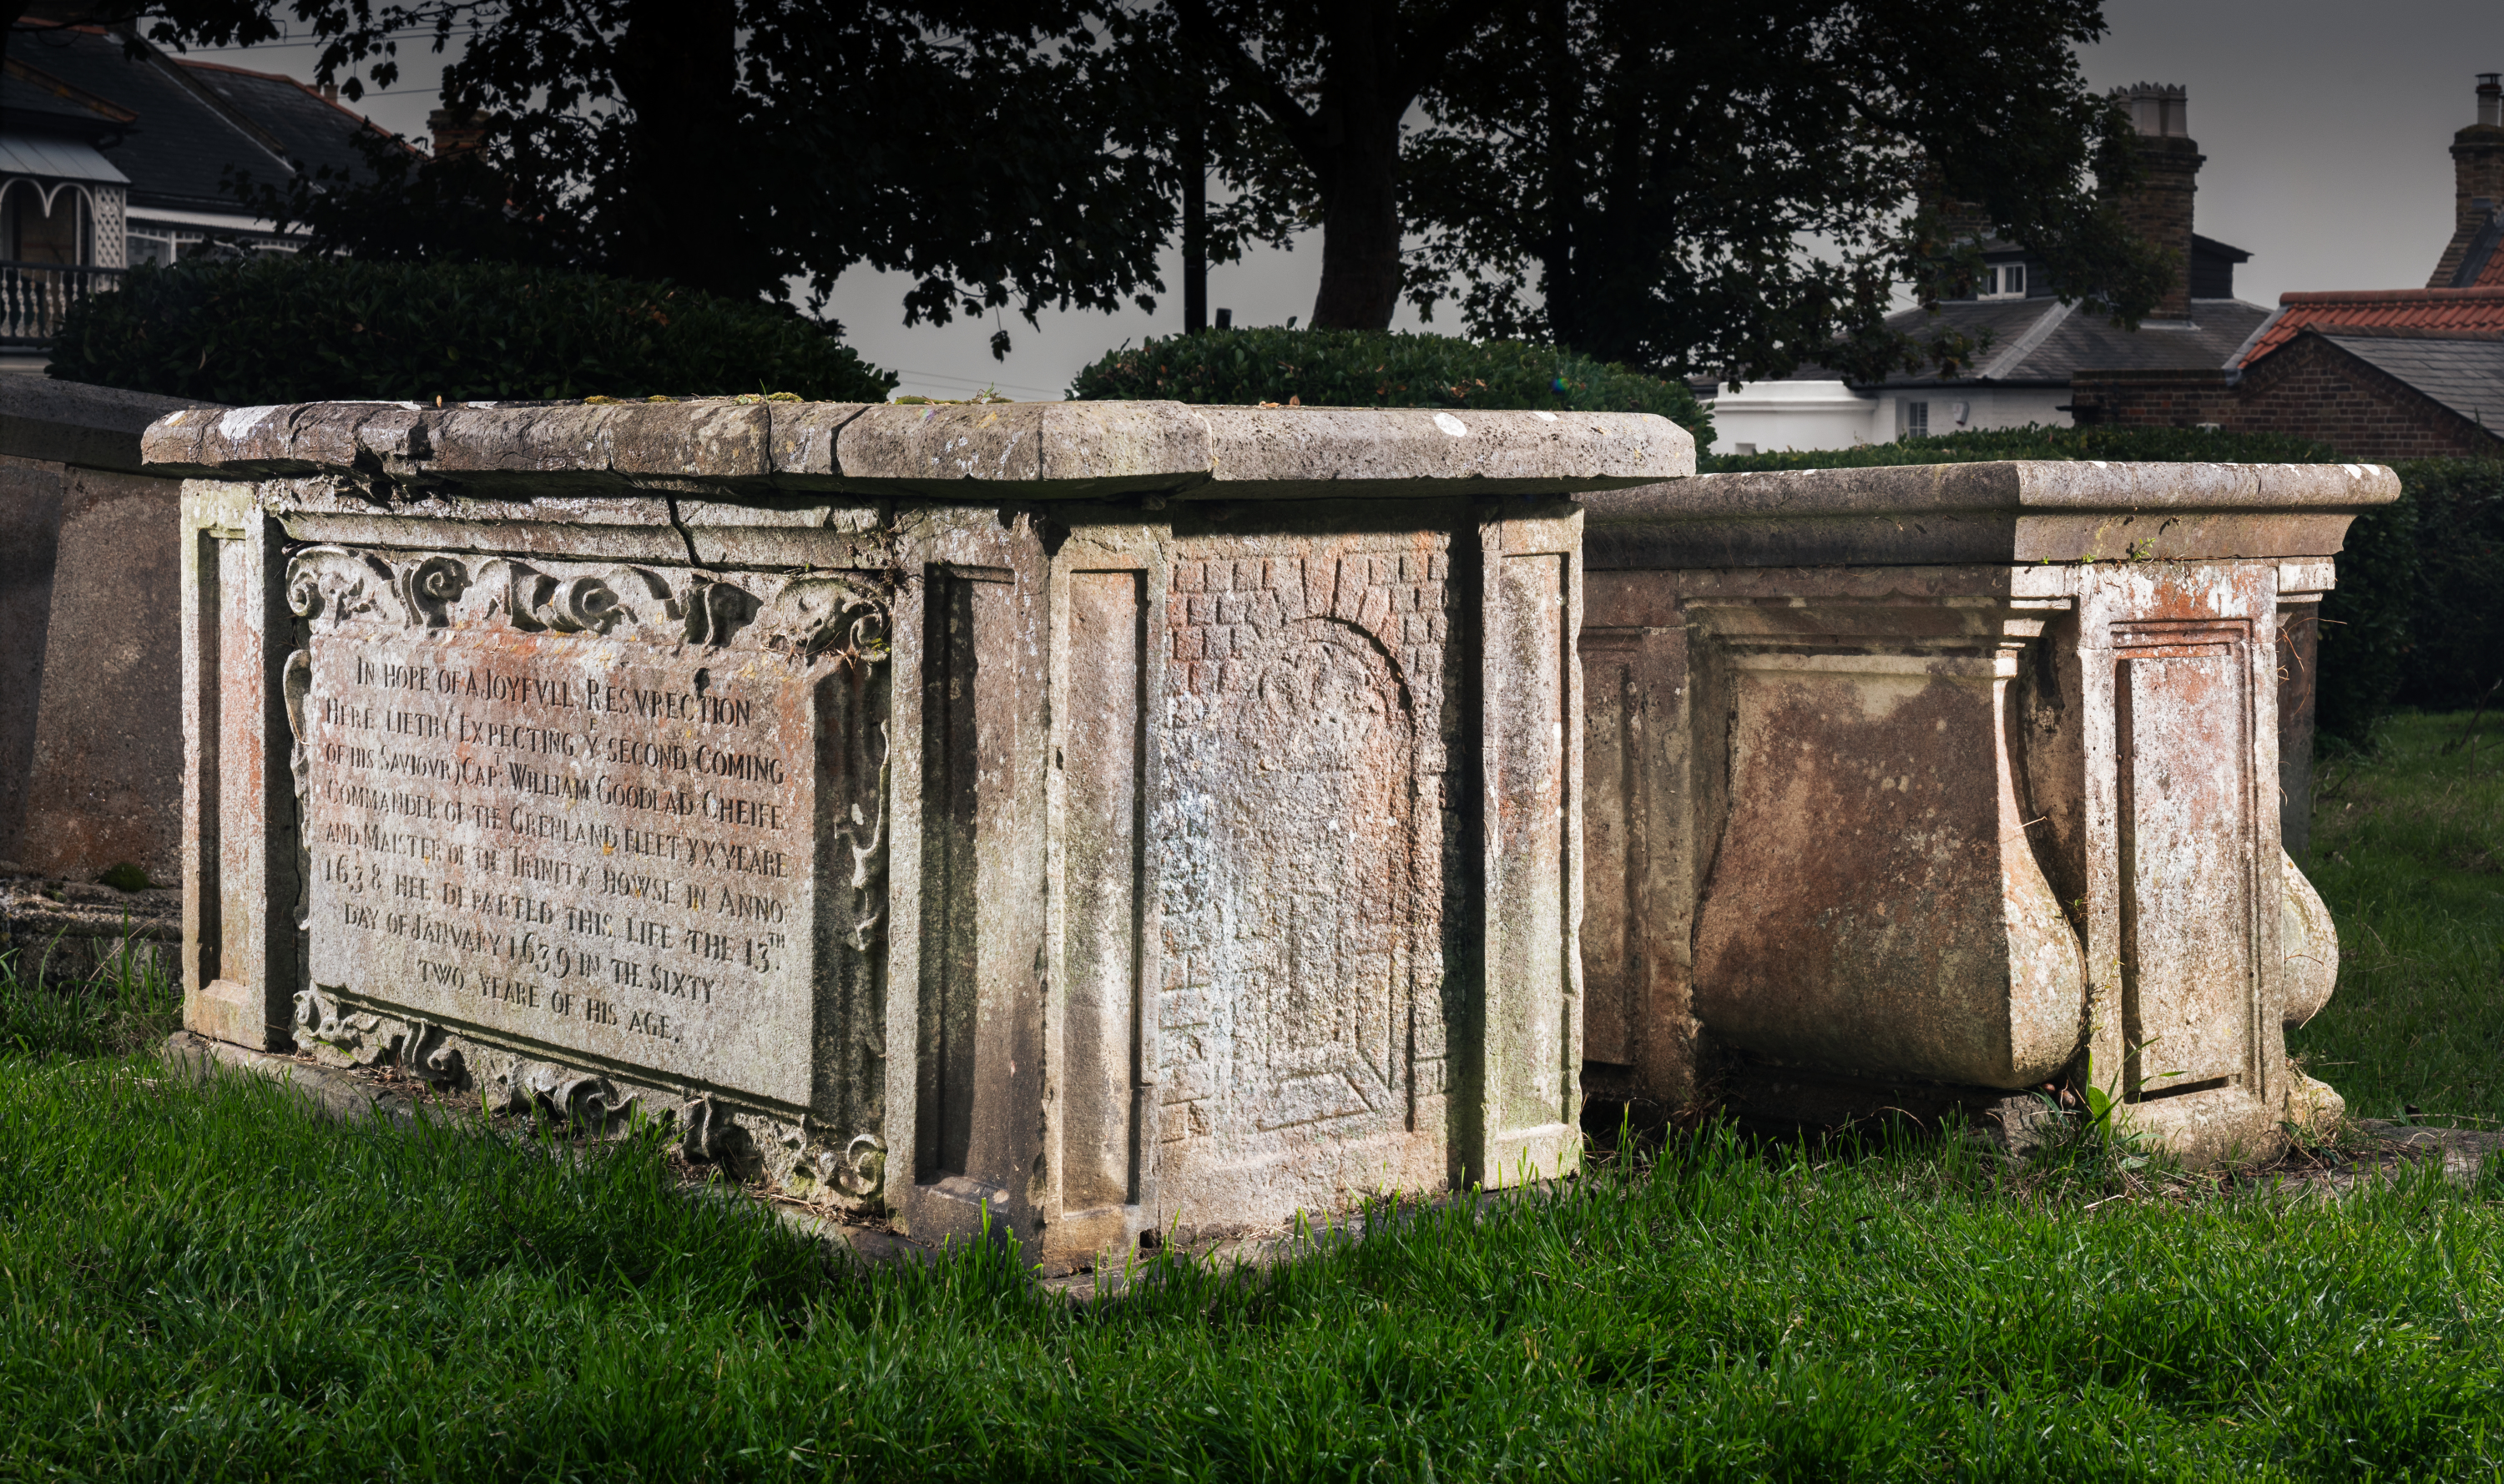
x,y
2325,124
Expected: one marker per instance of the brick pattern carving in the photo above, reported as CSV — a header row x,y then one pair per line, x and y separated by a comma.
x,y
1302,829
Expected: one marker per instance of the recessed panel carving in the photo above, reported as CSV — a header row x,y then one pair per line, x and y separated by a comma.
x,y
2185,806
1302,911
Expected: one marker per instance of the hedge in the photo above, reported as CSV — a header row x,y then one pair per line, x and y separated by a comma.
x,y
2418,618
312,329
1381,368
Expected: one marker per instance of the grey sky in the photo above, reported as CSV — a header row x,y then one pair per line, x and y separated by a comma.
x,y
2325,125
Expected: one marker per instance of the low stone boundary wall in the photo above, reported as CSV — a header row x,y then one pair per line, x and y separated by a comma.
x,y
1092,817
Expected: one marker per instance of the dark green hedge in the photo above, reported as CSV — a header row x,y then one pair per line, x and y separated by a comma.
x,y
1381,368
2418,619
2146,445
307,329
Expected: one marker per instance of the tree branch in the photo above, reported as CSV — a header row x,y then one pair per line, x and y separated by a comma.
x,y
1305,132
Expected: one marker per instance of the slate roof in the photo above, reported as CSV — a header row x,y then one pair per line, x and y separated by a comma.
x,y
2482,266
2465,374
194,120
2441,311
313,131
2042,342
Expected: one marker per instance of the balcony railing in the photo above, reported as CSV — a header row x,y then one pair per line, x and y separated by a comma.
x,y
34,295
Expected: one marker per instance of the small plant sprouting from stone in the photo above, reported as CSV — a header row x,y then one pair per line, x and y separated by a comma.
x,y
124,876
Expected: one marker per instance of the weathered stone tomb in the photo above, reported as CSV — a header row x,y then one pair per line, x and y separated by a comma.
x,y
1095,816
1916,786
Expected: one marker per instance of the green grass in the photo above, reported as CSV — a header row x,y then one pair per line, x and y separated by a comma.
x,y
215,1284
127,1004
218,1285
2408,848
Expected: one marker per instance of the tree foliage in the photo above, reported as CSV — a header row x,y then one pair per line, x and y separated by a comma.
x,y
987,150
1635,179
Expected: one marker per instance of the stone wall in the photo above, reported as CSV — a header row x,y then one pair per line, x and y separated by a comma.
x,y
90,730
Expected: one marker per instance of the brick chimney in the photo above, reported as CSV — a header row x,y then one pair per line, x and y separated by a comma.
x,y
2159,209
456,132
2477,178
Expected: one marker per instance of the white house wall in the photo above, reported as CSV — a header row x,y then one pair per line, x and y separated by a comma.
x,y
1798,416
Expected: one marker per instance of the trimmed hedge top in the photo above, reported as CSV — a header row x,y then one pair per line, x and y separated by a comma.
x,y
1381,368
306,328
2118,445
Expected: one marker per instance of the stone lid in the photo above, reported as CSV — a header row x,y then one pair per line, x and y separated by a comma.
x,y
71,421
986,452
1930,513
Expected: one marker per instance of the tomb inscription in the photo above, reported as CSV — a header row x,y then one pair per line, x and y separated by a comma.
x,y
599,848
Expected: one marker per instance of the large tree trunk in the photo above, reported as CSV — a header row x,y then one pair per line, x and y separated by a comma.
x,y
682,216
1361,237
1362,100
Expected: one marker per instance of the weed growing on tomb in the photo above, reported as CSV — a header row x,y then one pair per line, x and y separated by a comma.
x,y
2408,850
218,1284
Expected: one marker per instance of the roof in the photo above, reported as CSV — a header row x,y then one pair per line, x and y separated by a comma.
x,y
2216,249
57,159
312,129
195,123
32,98
2044,342
2464,373
2482,266
2455,311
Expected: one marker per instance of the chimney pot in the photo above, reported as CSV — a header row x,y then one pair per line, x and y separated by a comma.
x,y
2491,98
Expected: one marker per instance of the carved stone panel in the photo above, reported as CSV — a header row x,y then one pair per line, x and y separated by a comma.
x,y
1302,850
604,849
2186,854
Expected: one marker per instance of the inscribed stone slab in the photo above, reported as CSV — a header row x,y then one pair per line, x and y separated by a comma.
x,y
602,848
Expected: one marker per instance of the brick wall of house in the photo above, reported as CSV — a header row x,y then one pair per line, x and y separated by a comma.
x,y
2311,389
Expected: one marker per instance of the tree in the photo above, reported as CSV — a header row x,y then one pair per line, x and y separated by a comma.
x,y
1363,63
1634,180
983,147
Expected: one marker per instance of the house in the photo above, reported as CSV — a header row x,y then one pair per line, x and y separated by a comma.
x,y
2398,373
2033,344
113,152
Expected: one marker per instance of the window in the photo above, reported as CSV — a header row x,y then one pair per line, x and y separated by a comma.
x,y
1744,448
1917,419
2004,281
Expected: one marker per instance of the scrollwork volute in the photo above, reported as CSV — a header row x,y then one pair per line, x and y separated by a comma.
x,y
331,584
807,617
428,589
815,615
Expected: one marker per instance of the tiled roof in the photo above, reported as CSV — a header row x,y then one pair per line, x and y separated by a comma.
x,y
2466,375
2458,311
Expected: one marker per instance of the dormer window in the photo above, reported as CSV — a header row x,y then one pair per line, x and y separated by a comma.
x,y
2004,281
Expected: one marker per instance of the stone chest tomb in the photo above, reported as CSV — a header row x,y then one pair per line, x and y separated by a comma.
x,y
1921,786
1091,817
